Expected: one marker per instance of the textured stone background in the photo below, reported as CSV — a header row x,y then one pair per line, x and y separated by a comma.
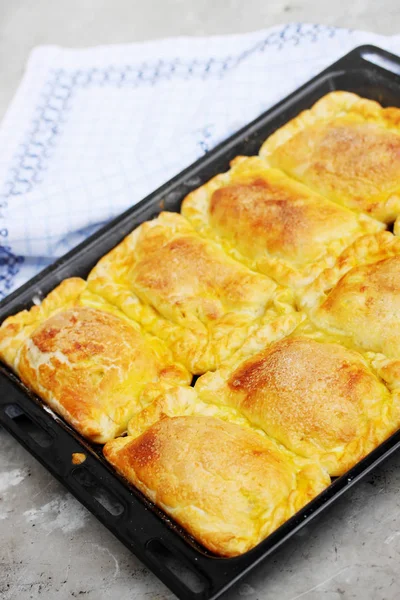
x,y
50,546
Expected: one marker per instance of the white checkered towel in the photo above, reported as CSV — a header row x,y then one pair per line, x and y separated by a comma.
x,y
90,132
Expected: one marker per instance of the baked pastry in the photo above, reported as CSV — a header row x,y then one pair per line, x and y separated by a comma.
x,y
359,299
285,400
85,359
272,223
186,290
162,400
318,398
346,148
191,466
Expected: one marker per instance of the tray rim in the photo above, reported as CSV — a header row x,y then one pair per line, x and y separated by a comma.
x,y
233,568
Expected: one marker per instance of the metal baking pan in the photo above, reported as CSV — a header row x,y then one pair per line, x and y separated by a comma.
x,y
187,569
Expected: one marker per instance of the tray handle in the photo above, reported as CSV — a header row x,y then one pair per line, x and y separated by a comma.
x,y
29,430
379,58
371,54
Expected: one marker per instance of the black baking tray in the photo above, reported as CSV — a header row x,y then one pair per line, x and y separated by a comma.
x,y
186,568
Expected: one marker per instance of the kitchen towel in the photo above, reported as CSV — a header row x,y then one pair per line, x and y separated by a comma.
x,y
92,131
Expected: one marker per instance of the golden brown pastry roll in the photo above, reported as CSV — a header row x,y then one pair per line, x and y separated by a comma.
x,y
85,359
194,467
346,148
359,298
272,223
186,290
320,399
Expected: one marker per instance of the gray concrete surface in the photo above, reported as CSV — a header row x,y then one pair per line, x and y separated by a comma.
x,y
50,546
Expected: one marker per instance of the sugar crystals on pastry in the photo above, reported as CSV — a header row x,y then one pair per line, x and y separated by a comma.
x,y
191,466
273,223
346,148
317,397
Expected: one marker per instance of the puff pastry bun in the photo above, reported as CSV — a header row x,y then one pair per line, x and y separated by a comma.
x,y
86,359
272,223
346,148
359,299
186,290
194,466
318,398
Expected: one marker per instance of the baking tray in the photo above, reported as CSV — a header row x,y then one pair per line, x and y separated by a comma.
x,y
186,568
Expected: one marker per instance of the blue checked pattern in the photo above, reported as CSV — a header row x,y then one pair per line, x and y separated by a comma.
x,y
29,165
